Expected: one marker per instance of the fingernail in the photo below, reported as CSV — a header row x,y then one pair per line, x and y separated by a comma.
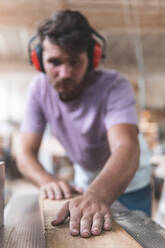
x,y
75,232
85,233
95,231
58,197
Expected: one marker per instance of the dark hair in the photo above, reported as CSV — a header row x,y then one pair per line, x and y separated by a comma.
x,y
68,29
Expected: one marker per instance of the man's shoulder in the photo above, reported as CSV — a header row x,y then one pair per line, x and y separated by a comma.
x,y
108,78
111,85
39,79
102,74
38,84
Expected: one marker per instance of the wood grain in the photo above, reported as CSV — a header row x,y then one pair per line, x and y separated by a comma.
x,y
22,226
59,236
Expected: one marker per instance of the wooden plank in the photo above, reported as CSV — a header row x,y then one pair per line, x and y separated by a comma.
x,y
59,236
22,227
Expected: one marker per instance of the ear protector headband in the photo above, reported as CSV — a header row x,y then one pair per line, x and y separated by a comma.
x,y
96,52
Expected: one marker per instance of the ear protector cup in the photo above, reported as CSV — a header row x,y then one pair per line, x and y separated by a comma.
x,y
35,55
96,51
36,58
94,54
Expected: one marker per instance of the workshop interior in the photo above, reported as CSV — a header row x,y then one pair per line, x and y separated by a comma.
x,y
134,34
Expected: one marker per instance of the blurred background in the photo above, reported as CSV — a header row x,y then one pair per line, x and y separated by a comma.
x,y
134,30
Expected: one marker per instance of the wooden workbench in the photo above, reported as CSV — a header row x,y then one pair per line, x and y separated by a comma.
x,y
23,227
60,237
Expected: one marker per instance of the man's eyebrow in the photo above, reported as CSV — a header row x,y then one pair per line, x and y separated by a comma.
x,y
53,59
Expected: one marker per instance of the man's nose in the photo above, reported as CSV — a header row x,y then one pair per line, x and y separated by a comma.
x,y
65,71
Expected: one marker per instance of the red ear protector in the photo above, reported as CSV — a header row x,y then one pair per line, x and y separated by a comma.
x,y
35,55
96,52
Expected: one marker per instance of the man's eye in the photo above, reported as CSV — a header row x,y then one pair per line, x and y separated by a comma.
x,y
54,62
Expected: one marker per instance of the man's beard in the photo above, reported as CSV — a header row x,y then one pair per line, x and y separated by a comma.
x,y
69,89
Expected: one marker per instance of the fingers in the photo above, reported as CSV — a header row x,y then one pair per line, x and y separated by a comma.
x,y
43,193
89,225
57,190
66,189
85,226
61,215
74,224
58,194
86,218
107,222
51,191
97,225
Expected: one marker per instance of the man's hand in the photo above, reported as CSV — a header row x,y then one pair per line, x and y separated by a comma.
x,y
88,215
58,189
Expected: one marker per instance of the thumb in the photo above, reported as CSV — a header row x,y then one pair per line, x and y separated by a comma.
x,y
61,215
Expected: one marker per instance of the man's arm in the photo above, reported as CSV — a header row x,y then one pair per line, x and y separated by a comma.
x,y
122,164
30,167
90,213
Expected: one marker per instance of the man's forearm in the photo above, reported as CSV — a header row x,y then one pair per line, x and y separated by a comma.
x,y
117,173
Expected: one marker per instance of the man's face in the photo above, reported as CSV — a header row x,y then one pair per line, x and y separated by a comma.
x,y
65,71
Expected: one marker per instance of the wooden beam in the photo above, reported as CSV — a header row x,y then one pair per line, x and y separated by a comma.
x,y
60,237
106,14
26,13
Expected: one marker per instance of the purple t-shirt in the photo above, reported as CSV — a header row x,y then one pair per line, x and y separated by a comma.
x,y
81,125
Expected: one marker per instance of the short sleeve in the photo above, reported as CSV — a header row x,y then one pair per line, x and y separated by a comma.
x,y
34,120
120,104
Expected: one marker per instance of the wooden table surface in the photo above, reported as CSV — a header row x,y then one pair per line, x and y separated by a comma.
x,y
60,237
23,227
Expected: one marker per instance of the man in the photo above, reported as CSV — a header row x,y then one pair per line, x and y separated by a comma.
x,y
92,113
